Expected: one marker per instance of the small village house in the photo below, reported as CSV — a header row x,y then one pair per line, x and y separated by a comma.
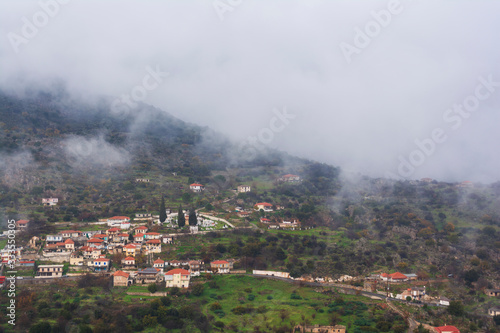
x,y
265,206
492,292
159,264
148,275
50,201
101,264
22,225
177,277
495,311
447,329
49,271
121,279
243,188
128,262
194,267
220,266
131,250
195,187
153,246
289,178
141,230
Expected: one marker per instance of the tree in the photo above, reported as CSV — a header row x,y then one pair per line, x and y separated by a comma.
x,y
43,327
163,211
181,219
198,289
193,220
152,288
456,308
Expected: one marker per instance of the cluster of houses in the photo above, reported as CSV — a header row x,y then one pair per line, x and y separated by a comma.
x,y
178,275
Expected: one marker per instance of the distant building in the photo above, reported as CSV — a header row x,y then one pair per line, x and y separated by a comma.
x,y
195,187
142,180
444,301
177,278
49,271
128,262
494,311
447,329
265,206
320,329
118,220
148,275
159,264
101,265
194,267
22,225
50,201
244,188
492,292
289,178
153,246
121,279
220,266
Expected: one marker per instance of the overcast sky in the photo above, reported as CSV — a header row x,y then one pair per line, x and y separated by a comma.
x,y
361,81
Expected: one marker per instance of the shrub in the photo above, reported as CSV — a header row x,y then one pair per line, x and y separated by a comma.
x,y
215,306
251,297
269,297
152,288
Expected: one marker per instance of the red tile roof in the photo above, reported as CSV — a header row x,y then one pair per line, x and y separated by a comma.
x,y
447,328
129,258
158,261
141,228
114,229
177,271
121,273
195,184
130,246
95,240
119,218
153,241
22,222
263,204
153,233
69,241
217,262
101,259
398,276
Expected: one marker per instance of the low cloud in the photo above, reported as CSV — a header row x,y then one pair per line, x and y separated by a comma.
x,y
82,152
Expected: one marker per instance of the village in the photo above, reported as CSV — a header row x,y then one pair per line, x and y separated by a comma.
x,y
136,247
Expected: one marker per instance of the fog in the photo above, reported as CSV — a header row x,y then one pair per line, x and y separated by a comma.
x,y
373,87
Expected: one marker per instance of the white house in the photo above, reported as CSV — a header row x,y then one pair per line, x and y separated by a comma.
x,y
244,188
117,220
195,187
50,201
444,301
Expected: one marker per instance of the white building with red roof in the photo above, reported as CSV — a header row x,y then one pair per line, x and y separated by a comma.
x,y
22,225
447,329
220,266
152,235
265,206
153,246
160,264
195,187
141,230
177,277
96,242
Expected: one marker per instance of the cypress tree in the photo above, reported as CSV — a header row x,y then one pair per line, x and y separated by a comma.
x,y
163,212
193,220
181,219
